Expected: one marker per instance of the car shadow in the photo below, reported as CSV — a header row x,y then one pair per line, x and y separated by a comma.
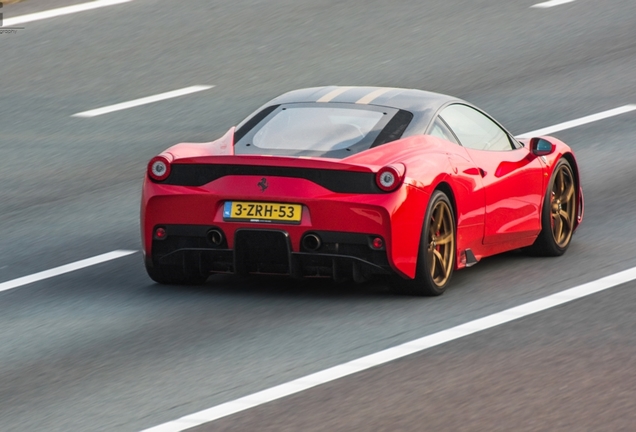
x,y
275,286
495,267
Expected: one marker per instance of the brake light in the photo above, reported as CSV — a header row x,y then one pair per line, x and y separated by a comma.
x,y
390,177
159,168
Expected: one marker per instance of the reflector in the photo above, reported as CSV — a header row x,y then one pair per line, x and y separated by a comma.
x,y
160,233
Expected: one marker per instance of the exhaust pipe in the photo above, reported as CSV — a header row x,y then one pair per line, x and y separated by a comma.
x,y
215,237
311,242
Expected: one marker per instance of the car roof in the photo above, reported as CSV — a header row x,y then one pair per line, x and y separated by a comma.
x,y
406,99
423,104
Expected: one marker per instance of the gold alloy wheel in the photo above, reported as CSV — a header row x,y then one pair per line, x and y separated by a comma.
x,y
441,243
563,206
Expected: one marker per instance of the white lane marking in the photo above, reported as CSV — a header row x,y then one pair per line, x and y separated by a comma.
x,y
578,122
61,11
551,3
46,274
397,352
142,101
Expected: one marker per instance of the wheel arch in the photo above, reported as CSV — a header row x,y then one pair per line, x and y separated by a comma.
x,y
420,208
568,156
445,187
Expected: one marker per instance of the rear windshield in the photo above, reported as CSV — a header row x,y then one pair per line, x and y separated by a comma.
x,y
330,130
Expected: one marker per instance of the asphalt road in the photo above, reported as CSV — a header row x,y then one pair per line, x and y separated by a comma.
x,y
104,348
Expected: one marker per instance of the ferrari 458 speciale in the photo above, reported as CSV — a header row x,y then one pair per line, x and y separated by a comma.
x,y
352,182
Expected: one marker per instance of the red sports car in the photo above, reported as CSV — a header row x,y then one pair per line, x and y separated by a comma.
x,y
352,182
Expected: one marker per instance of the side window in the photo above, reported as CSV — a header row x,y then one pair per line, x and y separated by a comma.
x,y
440,130
474,129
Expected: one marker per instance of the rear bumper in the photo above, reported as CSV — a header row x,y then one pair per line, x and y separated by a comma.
x,y
336,255
395,217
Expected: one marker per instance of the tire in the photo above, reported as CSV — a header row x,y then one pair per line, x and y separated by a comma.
x,y
436,257
558,215
173,275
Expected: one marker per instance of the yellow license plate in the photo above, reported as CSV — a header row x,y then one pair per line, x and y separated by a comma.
x,y
262,212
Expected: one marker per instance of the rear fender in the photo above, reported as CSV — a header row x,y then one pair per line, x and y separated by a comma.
x,y
407,221
223,146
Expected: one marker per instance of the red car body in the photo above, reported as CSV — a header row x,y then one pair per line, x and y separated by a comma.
x,y
497,198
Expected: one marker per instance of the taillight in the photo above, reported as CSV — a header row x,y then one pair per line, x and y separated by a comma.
x,y
390,177
159,168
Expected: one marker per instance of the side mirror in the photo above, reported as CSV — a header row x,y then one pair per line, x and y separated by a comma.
x,y
541,147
